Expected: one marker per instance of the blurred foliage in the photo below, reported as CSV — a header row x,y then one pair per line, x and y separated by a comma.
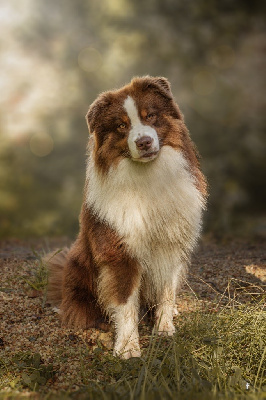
x,y
56,58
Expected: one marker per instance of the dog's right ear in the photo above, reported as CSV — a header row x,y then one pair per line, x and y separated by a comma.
x,y
90,117
95,113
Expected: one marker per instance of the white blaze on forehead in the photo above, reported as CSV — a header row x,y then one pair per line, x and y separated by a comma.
x,y
132,111
138,130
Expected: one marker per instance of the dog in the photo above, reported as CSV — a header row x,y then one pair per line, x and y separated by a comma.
x,y
141,216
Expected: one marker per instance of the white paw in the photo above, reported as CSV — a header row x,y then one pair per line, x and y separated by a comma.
x,y
128,350
166,328
175,311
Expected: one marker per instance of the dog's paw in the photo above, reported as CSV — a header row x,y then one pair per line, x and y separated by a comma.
x,y
127,350
175,311
166,328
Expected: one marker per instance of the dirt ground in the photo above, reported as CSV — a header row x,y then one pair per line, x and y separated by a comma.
x,y
220,273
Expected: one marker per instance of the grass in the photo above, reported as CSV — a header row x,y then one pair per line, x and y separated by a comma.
x,y
40,279
216,353
213,355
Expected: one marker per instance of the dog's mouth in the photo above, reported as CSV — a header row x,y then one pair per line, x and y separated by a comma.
x,y
148,156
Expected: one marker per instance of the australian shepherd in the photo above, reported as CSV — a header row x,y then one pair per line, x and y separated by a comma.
x,y
141,215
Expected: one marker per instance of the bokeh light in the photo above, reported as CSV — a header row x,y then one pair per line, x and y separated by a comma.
x,y
90,59
54,62
41,144
223,57
204,82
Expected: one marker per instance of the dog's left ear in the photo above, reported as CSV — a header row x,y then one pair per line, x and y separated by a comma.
x,y
164,84
159,84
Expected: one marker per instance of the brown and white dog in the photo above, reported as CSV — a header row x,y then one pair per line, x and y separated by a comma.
x,y
141,216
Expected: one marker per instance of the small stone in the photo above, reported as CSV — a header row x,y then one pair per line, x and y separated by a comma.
x,y
73,338
106,338
34,293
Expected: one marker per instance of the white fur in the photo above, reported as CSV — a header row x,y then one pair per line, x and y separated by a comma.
x,y
165,309
155,207
125,317
138,130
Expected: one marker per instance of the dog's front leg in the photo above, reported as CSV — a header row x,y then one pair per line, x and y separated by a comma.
x,y
165,310
125,317
119,296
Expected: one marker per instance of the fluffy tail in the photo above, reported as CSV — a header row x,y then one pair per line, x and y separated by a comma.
x,y
55,262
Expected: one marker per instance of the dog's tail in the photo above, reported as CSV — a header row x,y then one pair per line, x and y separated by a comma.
x,y
55,262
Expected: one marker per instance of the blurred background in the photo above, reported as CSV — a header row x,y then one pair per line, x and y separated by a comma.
x,y
57,55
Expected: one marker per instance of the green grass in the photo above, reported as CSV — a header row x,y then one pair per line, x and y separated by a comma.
x,y
40,279
217,353
213,355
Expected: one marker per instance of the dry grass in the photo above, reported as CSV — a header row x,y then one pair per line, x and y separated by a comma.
x,y
218,350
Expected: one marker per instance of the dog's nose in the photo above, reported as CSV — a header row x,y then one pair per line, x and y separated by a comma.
x,y
144,143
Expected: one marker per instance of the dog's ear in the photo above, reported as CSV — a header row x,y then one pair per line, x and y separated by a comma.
x,y
90,117
158,84
96,110
164,84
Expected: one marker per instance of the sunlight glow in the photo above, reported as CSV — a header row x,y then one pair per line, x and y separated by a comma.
x,y
204,82
41,144
90,59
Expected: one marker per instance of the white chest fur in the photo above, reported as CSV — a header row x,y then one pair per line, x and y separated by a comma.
x,y
155,207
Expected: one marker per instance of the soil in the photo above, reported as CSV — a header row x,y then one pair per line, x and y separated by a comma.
x,y
221,273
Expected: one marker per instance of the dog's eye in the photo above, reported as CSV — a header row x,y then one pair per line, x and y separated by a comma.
x,y
150,116
122,126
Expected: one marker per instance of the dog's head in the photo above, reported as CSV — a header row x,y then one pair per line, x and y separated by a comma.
x,y
135,122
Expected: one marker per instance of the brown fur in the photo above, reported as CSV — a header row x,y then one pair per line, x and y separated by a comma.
x,y
97,259
97,272
110,141
56,262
